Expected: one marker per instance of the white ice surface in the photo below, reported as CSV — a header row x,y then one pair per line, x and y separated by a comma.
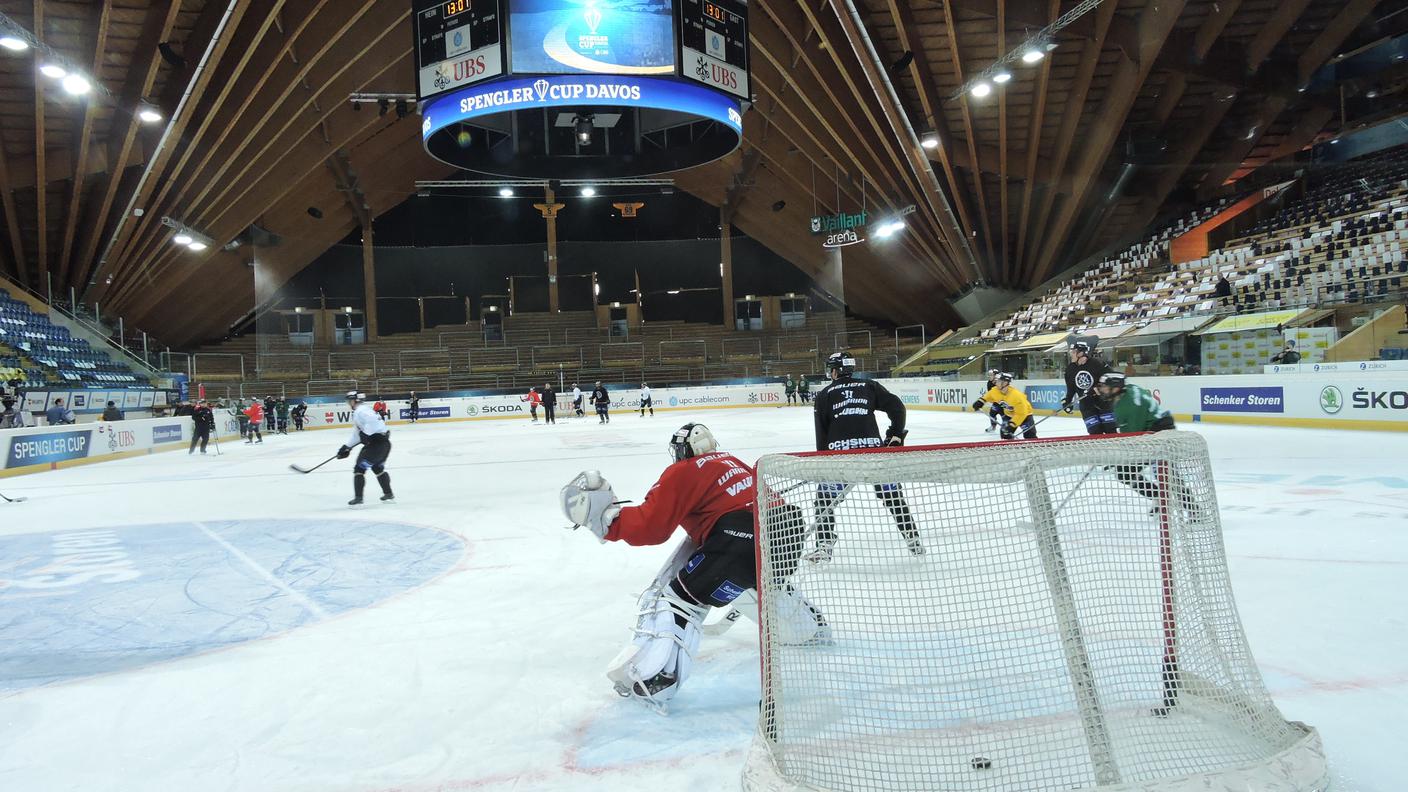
x,y
489,677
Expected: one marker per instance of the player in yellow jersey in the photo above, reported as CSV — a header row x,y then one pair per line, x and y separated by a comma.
x,y
1016,409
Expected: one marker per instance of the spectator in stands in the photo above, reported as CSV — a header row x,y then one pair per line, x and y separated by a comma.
x,y
58,414
1288,356
1224,290
111,413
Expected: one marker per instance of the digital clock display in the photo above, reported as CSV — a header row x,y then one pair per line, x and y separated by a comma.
x,y
457,44
714,40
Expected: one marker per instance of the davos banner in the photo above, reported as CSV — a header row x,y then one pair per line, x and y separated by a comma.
x,y
48,447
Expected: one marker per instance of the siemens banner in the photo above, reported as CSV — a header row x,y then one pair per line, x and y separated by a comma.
x,y
47,448
591,37
527,93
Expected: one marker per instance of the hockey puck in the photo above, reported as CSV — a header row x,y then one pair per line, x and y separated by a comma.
x,y
981,763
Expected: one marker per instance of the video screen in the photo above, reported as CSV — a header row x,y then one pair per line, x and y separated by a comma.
x,y
591,37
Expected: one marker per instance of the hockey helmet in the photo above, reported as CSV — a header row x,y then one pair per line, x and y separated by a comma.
x,y
1083,347
356,396
1113,380
842,362
692,440
992,373
1004,378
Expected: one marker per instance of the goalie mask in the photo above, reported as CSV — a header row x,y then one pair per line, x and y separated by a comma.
x,y
692,440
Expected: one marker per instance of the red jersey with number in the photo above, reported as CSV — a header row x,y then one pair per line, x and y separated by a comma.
x,y
255,413
691,494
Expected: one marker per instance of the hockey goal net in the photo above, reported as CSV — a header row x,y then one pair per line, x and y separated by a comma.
x,y
1069,625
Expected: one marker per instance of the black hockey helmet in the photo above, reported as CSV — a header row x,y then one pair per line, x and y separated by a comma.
x,y
1113,379
691,440
842,362
1082,347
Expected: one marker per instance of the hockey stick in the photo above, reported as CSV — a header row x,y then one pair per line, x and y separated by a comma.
x,y
299,469
20,499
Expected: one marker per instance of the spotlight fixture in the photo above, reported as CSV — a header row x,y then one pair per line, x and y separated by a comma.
x,y
778,206
53,71
182,239
77,84
1032,55
1002,77
505,192
197,245
14,44
583,126
981,89
383,106
588,191
402,109
930,140
903,61
148,115
1051,46
889,228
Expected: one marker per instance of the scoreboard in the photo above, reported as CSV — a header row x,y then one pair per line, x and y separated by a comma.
x,y
714,43
462,42
457,44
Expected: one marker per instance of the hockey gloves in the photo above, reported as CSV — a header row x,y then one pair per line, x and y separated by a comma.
x,y
1067,406
978,405
893,438
1008,431
588,500
344,452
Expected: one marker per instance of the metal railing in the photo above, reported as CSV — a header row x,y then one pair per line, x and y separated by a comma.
x,y
682,352
330,386
463,338
491,360
557,356
337,366
399,384
742,349
167,360
424,361
259,390
621,353
211,358
852,340
910,340
268,363
798,347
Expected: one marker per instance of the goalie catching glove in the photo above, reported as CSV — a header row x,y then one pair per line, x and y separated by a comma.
x,y
588,500
893,438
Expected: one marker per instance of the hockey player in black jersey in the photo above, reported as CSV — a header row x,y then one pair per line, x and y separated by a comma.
x,y
845,420
1083,373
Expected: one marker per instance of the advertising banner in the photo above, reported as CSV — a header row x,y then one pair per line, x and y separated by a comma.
x,y
1268,400
167,433
44,448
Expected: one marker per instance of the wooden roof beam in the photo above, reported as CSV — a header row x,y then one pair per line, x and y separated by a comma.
x,y
1155,24
1034,130
972,138
99,16
338,162
41,260
141,76
16,260
1122,30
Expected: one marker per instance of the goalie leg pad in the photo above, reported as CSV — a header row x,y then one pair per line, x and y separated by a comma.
x,y
660,655
799,622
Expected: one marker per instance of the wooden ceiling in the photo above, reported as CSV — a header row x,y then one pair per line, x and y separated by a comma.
x,y
1139,101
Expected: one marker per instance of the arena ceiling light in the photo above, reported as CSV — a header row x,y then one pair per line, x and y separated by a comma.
x,y
588,191
981,89
13,43
1002,77
505,192
888,228
148,115
1032,55
182,239
53,71
930,140
77,84
197,245
187,237
583,126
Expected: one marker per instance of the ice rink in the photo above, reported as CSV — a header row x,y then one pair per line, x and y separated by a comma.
x,y
233,625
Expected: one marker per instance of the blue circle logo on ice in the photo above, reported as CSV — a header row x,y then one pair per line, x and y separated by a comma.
x,y
99,600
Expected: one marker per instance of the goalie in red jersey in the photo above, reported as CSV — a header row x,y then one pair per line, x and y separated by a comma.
x,y
709,494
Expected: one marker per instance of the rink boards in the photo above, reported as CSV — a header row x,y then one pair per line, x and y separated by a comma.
x,y
37,448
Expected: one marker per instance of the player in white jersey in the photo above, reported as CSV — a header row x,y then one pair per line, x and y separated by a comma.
x,y
370,432
577,401
645,402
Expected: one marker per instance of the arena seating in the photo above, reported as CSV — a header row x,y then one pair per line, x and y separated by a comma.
x,y
535,348
49,354
1344,242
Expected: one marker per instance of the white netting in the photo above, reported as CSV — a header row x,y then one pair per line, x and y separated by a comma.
x,y
1069,625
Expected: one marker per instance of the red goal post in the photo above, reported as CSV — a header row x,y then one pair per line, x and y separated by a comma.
x,y
1069,625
